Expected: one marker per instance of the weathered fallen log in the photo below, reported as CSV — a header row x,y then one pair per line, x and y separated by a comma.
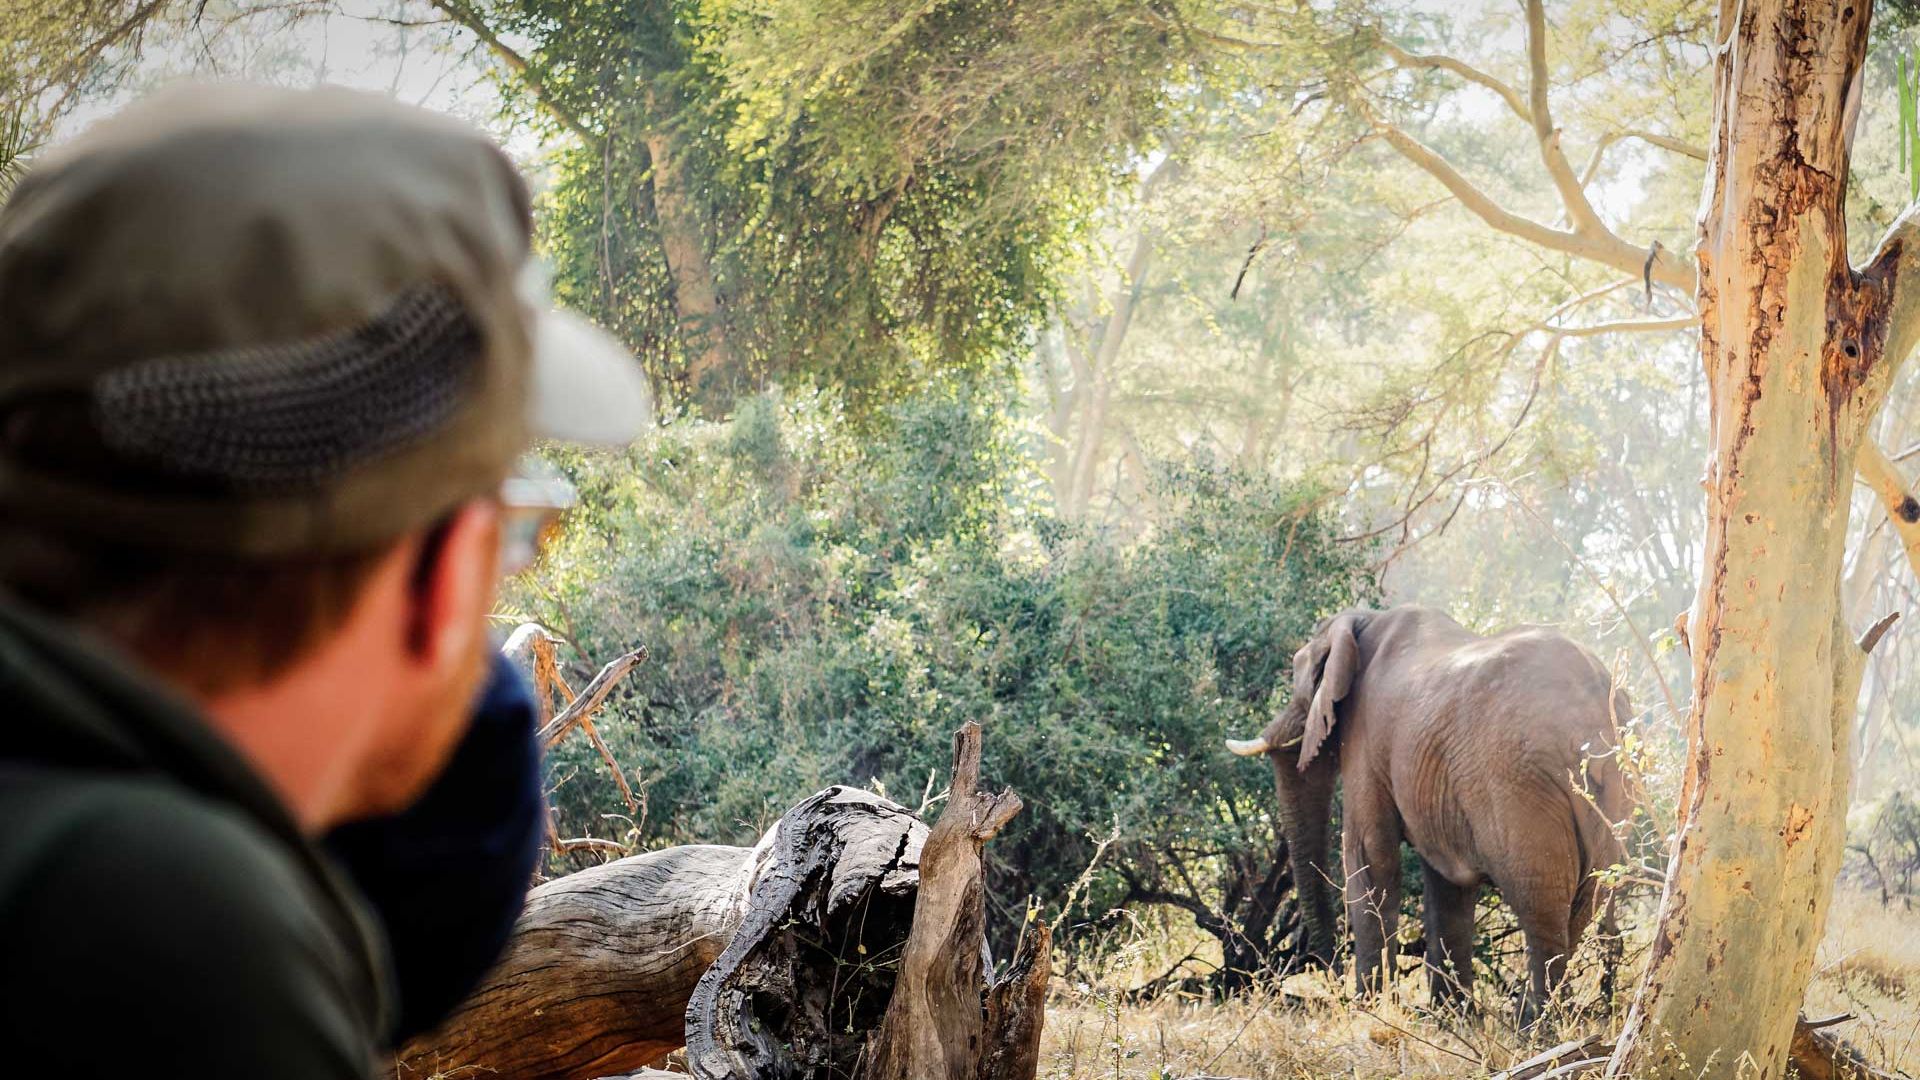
x,y
603,963
850,942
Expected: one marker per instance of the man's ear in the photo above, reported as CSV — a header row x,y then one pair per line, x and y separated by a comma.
x,y
454,577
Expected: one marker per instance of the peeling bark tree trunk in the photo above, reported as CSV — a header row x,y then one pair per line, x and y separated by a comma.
x,y
1799,349
602,965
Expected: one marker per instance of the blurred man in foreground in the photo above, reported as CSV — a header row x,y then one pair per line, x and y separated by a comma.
x,y
267,361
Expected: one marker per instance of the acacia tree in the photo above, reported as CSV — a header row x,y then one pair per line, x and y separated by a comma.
x,y
1799,349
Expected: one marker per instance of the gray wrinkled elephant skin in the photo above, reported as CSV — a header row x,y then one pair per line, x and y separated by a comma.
x,y
1492,756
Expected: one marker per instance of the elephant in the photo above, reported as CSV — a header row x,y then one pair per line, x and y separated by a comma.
x,y
1493,756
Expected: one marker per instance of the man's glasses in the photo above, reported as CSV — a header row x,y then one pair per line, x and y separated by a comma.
x,y
532,503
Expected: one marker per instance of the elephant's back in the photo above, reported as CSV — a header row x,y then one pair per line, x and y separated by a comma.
x,y
1492,732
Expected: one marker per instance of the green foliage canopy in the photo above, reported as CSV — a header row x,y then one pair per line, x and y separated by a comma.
x,y
825,607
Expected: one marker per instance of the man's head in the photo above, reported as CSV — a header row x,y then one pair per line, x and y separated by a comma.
x,y
266,359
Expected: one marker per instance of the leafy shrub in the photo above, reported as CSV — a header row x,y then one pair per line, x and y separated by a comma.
x,y
826,603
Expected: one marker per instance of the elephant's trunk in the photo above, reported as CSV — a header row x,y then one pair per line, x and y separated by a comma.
x,y
1306,813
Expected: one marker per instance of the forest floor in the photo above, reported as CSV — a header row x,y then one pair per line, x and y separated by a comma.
x,y
1868,966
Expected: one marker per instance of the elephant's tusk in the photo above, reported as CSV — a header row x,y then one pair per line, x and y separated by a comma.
x,y
1291,743
1248,747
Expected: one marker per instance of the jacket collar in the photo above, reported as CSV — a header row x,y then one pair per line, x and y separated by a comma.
x,y
76,703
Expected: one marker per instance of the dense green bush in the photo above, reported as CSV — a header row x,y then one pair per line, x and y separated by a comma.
x,y
825,605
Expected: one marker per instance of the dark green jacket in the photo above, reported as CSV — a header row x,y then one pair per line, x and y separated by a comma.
x,y
160,912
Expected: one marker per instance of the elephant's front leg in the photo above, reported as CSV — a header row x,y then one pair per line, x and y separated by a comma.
x,y
1371,851
1447,912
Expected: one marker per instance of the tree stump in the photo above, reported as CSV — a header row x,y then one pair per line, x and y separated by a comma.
x,y
935,1027
894,990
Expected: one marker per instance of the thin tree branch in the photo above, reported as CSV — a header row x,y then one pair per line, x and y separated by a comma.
x,y
1404,59
1604,248
1631,326
1880,474
591,696
74,71
1235,44
1654,138
1573,194
521,68
1666,142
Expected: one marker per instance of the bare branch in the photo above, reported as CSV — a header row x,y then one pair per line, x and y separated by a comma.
x,y
72,74
1573,194
591,696
1404,59
1654,138
1867,642
1880,474
1667,142
1631,326
1603,247
519,66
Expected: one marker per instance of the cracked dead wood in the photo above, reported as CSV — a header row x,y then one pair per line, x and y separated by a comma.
x,y
589,700
897,987
532,648
935,1027
787,999
603,964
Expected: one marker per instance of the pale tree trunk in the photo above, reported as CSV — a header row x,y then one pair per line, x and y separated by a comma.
x,y
1798,349
1063,393
1093,362
712,376
1273,390
1097,371
1089,437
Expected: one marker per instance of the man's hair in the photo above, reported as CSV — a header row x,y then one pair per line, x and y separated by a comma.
x,y
211,623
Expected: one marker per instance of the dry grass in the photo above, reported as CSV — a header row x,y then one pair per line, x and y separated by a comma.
x,y
1869,965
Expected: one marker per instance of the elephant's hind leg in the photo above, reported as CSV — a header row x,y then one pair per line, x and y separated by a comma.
x,y
1447,912
1545,909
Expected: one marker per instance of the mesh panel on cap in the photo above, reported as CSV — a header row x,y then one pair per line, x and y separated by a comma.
x,y
278,418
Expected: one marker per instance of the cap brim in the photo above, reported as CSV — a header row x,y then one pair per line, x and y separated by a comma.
x,y
587,388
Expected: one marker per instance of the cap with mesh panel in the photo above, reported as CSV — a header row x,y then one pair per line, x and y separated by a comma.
x,y
262,322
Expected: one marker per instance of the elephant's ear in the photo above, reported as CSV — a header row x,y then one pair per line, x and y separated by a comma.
x,y
1336,678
